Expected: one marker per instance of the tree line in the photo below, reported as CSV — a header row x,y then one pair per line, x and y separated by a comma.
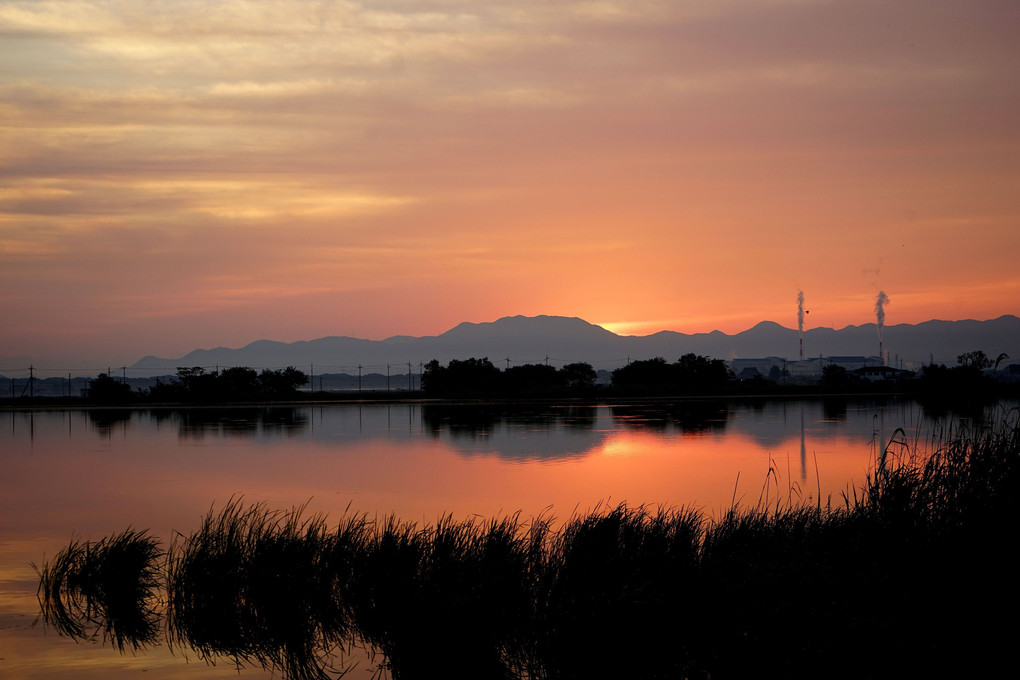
x,y
479,377
195,384
476,377
690,374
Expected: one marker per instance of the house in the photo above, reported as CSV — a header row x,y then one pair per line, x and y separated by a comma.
x,y
881,373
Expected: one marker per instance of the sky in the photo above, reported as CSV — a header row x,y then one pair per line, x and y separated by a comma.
x,y
177,175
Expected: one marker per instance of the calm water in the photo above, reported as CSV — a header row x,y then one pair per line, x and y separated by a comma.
x,y
93,473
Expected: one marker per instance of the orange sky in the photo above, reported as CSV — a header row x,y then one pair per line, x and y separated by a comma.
x,y
192,174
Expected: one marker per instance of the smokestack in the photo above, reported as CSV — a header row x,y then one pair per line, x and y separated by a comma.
x,y
800,321
881,300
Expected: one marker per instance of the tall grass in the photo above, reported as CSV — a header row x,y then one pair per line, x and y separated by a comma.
x,y
908,576
951,522
260,587
467,585
618,582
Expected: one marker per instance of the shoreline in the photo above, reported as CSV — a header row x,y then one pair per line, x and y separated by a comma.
x,y
58,404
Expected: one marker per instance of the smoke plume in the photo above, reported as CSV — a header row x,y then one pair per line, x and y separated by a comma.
x,y
880,302
800,311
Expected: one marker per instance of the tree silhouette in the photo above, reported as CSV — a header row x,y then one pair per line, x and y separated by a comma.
x,y
976,360
282,382
646,374
834,375
468,376
689,373
531,379
480,377
693,370
239,383
106,390
579,376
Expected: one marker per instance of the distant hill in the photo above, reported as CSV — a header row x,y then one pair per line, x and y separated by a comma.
x,y
562,340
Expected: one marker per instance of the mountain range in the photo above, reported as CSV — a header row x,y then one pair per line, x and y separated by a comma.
x,y
561,340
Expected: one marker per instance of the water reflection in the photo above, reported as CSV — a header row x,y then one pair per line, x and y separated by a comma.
x,y
241,422
523,432
256,421
834,409
516,432
107,419
686,417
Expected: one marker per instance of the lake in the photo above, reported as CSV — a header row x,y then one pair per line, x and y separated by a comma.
x,y
91,473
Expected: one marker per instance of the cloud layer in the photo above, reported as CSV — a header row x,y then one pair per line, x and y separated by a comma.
x,y
198,173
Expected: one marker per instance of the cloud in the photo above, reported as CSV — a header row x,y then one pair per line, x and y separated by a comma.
x,y
460,154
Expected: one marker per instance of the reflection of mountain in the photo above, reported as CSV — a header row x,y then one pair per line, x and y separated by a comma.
x,y
517,432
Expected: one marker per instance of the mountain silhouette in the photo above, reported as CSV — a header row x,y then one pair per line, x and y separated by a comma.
x,y
562,340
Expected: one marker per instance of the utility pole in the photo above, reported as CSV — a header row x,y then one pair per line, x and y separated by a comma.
x,y
359,377
409,386
387,377
31,380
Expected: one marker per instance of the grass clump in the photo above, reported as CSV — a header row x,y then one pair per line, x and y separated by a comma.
x,y
105,589
260,587
468,583
617,582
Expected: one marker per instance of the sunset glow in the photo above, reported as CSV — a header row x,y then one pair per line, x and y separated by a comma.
x,y
192,174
